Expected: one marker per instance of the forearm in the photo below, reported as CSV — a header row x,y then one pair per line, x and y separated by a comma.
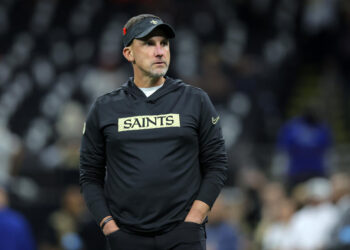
x,y
91,180
212,183
213,161
95,200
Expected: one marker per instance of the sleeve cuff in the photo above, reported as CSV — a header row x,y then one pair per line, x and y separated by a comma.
x,y
208,193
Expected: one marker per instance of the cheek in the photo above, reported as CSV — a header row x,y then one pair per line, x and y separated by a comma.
x,y
139,58
167,54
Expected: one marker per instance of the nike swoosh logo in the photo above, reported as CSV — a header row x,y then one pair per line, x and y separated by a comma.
x,y
215,120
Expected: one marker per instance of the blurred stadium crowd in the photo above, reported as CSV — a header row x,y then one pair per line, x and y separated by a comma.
x,y
277,71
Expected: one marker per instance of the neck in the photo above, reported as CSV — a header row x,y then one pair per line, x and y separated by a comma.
x,y
148,82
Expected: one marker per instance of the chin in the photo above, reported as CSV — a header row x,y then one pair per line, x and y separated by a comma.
x,y
159,74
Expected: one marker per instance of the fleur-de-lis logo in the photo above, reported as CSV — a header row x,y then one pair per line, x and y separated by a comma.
x,y
215,120
154,22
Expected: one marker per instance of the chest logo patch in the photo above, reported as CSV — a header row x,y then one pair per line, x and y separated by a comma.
x,y
215,120
148,122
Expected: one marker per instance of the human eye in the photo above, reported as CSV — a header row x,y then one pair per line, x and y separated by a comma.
x,y
165,42
149,43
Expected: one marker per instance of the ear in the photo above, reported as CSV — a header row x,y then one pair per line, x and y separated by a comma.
x,y
128,54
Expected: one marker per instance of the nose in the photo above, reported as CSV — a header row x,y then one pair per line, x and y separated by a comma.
x,y
159,50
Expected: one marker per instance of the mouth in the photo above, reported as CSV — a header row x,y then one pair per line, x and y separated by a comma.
x,y
159,63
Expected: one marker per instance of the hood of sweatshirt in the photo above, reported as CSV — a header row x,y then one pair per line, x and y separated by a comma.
x,y
169,85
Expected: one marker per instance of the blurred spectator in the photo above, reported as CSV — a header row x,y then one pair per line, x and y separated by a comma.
x,y
276,236
318,24
253,181
212,71
306,141
311,226
106,77
341,190
271,195
340,236
221,234
9,148
15,232
70,226
64,152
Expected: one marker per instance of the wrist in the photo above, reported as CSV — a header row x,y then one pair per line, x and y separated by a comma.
x,y
108,225
105,222
196,218
198,212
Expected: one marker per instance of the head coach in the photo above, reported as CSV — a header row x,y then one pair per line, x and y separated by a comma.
x,y
152,159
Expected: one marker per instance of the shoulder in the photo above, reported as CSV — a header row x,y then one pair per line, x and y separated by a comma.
x,y
193,89
14,220
103,103
200,95
196,94
112,96
190,89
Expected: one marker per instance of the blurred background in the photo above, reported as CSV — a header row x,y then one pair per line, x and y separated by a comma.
x,y
277,71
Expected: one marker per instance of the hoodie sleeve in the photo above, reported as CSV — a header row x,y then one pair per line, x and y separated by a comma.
x,y
212,154
92,166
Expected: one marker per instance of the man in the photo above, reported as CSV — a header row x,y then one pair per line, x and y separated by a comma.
x,y
15,231
152,155
306,141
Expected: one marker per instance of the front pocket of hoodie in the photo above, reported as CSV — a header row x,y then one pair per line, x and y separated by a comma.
x,y
114,239
189,232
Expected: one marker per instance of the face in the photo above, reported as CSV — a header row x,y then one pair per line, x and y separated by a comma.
x,y
150,55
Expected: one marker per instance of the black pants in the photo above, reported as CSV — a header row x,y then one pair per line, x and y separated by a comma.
x,y
186,236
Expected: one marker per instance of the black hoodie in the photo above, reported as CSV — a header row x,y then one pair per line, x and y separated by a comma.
x,y
145,160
